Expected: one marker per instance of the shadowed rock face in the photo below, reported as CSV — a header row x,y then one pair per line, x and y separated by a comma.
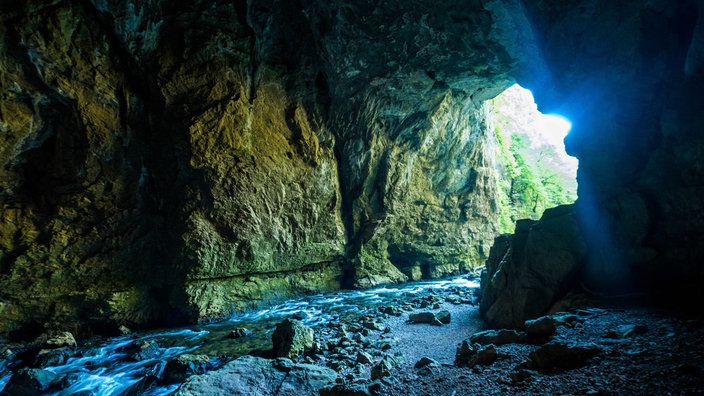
x,y
166,162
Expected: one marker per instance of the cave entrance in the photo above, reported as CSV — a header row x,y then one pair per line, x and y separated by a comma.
x,y
535,172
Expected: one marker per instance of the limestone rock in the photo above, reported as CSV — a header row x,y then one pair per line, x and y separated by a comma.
x,y
529,270
250,375
291,338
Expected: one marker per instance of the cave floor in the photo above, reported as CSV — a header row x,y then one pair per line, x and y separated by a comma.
x,y
663,356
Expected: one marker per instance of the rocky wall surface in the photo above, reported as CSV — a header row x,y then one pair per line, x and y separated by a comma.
x,y
166,162
629,77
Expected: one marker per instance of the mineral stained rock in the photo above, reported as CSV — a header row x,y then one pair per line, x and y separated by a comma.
x,y
166,162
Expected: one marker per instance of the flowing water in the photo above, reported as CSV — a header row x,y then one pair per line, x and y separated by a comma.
x,y
105,369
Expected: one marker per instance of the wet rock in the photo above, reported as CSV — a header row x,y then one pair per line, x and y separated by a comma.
x,y
497,337
291,339
146,385
561,355
470,354
422,317
30,382
426,362
383,368
541,327
249,375
444,317
239,333
138,351
52,357
177,370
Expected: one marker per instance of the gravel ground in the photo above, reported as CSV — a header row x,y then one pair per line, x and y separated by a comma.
x,y
666,359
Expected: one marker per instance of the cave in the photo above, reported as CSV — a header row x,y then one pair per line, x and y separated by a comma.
x,y
182,167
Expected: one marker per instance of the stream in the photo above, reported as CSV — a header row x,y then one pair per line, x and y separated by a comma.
x,y
103,368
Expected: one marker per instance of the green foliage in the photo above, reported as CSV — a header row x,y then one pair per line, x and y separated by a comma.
x,y
530,180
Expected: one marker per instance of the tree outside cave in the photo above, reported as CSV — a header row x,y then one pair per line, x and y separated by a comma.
x,y
534,171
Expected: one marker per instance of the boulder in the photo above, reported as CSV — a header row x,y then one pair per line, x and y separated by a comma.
x,y
383,368
561,355
138,351
444,317
527,272
542,327
470,354
61,339
497,337
421,317
30,382
426,362
291,339
249,375
184,366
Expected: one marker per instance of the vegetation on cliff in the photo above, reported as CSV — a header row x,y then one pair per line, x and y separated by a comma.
x,y
535,173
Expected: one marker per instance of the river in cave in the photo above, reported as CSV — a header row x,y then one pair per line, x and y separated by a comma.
x,y
104,367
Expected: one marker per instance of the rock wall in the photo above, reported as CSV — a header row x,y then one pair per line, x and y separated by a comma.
x,y
629,76
166,162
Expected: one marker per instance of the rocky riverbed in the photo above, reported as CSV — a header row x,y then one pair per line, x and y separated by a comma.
x,y
418,339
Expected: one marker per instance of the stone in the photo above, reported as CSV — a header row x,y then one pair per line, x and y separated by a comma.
x,y
63,339
426,362
421,317
470,354
364,358
541,327
383,367
52,357
560,355
497,337
184,366
30,382
444,317
249,375
139,351
625,331
291,338
239,333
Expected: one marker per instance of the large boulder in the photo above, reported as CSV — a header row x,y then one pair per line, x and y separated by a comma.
x,y
30,382
249,375
292,338
527,272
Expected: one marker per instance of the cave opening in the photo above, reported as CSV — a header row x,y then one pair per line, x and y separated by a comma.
x,y
535,172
